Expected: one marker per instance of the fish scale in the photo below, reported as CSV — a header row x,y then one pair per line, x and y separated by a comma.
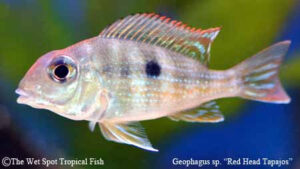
x,y
166,82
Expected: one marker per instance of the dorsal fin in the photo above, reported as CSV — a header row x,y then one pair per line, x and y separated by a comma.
x,y
164,32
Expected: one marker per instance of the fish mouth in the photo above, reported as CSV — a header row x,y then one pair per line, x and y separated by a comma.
x,y
28,99
23,96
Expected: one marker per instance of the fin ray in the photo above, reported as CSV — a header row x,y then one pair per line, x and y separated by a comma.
x,y
128,133
207,112
164,32
259,75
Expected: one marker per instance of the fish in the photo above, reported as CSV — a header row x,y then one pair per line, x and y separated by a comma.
x,y
143,67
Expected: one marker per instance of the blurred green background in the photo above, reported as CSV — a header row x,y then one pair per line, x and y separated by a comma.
x,y
31,28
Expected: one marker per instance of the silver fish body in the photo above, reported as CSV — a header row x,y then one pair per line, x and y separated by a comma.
x,y
183,83
146,67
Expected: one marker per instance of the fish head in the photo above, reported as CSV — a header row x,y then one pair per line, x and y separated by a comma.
x,y
51,82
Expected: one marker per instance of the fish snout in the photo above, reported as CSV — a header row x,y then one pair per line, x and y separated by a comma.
x,y
24,92
23,96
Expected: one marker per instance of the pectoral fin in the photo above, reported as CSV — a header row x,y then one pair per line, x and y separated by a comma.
x,y
92,125
127,133
208,112
99,112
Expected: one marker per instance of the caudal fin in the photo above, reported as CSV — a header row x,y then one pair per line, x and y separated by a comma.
x,y
259,75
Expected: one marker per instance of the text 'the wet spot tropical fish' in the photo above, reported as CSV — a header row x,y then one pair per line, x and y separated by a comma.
x,y
145,67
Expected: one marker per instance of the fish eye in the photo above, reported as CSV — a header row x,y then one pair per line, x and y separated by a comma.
x,y
62,69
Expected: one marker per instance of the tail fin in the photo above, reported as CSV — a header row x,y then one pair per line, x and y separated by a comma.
x,y
259,75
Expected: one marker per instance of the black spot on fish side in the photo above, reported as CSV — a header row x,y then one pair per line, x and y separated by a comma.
x,y
107,69
125,71
153,69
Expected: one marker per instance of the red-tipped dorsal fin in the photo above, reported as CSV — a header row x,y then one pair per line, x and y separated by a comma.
x,y
164,32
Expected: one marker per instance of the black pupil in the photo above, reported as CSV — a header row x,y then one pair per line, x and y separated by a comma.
x,y
61,71
152,69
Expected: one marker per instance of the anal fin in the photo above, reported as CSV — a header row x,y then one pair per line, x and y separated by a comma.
x,y
207,112
128,133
